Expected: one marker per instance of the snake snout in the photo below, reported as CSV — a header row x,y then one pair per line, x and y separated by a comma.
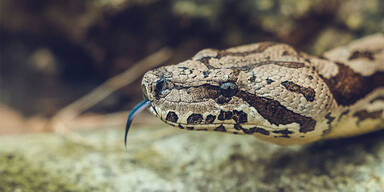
x,y
145,93
155,85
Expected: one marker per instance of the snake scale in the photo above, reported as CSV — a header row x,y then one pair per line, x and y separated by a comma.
x,y
274,92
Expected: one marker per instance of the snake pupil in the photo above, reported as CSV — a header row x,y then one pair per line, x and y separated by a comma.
x,y
228,89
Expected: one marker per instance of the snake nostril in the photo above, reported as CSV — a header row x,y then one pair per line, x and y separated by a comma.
x,y
161,87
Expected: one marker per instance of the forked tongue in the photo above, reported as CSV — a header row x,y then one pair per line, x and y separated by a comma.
x,y
137,109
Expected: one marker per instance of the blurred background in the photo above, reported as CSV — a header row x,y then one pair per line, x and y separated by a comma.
x,y
53,53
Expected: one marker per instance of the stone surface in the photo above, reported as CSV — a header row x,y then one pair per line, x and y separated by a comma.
x,y
186,161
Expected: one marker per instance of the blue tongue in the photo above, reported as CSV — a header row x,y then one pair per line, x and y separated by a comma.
x,y
137,109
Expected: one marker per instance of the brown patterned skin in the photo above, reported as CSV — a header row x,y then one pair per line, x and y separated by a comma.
x,y
274,92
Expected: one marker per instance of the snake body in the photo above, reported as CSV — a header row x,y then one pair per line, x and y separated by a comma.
x,y
274,92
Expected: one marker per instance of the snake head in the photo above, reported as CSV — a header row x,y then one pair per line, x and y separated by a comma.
x,y
264,89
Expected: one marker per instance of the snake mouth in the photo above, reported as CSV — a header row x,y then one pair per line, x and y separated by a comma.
x,y
246,129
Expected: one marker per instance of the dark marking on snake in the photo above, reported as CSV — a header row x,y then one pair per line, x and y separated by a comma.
x,y
190,128
154,110
208,90
234,75
251,130
225,115
223,100
259,130
288,64
362,54
364,114
195,118
276,113
206,74
347,87
256,130
171,116
252,79
330,119
270,109
169,123
269,81
326,131
205,61
379,98
180,126
261,48
343,114
284,133
310,77
201,129
308,93
239,116
210,119
220,128
237,126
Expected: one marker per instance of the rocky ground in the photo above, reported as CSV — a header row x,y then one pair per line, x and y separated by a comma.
x,y
186,161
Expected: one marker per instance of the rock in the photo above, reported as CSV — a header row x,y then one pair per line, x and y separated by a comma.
x,y
186,161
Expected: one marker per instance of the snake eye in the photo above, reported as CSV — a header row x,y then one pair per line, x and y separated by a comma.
x,y
228,89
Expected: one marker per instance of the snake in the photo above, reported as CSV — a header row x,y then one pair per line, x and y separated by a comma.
x,y
272,91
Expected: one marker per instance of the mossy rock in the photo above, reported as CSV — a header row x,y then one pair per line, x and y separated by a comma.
x,y
186,161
